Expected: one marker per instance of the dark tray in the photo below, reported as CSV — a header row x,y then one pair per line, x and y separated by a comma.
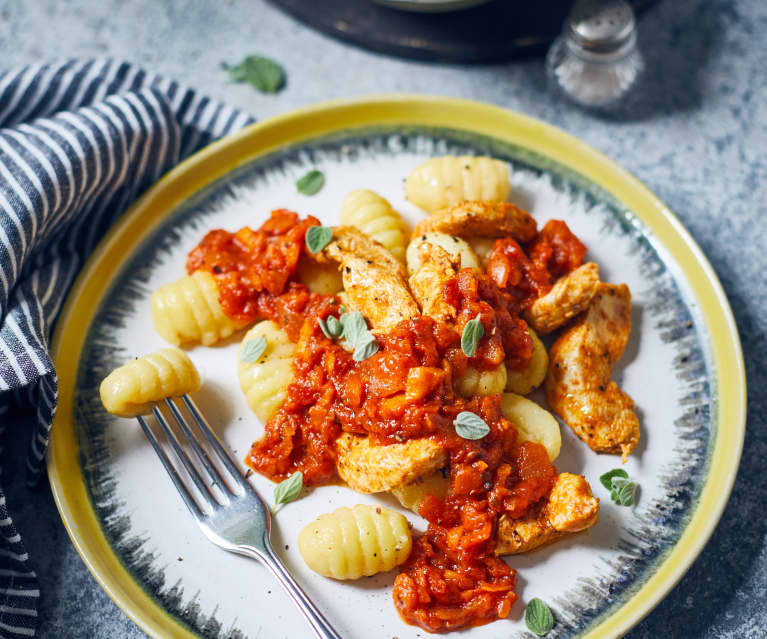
x,y
494,32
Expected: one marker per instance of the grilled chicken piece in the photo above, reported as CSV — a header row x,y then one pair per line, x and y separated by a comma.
x,y
428,282
578,385
570,508
375,469
485,219
375,282
569,296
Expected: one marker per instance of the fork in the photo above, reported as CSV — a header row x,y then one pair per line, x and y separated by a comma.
x,y
237,520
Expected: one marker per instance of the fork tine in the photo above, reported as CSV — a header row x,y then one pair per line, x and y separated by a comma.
x,y
188,500
205,493
199,451
220,451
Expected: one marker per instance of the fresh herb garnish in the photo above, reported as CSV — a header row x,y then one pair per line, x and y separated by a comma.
x,y
538,617
288,490
310,183
364,350
359,338
470,425
607,478
318,237
331,327
263,73
623,491
472,333
252,350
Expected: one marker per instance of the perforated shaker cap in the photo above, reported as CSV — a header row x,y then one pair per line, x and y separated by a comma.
x,y
601,25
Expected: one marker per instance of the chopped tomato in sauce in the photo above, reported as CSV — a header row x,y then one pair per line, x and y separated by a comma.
x,y
556,249
452,579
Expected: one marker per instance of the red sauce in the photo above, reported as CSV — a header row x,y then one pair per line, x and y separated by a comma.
x,y
453,578
556,249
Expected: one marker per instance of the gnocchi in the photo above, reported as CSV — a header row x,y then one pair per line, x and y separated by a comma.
x,y
524,381
265,381
440,182
322,278
350,543
133,389
453,245
533,423
188,311
375,217
411,495
481,382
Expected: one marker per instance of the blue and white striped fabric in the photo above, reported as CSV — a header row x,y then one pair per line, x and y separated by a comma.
x,y
79,141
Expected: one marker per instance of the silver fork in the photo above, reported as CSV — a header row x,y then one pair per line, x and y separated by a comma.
x,y
237,520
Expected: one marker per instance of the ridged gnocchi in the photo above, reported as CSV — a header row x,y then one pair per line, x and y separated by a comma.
x,y
533,423
265,381
481,382
133,389
323,278
532,376
455,246
188,310
411,495
350,543
440,182
375,217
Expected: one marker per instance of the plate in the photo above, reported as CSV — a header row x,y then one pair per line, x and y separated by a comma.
x,y
683,366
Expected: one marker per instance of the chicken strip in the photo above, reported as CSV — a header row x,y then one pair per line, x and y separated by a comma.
x,y
578,385
375,282
374,469
428,282
485,219
569,296
571,507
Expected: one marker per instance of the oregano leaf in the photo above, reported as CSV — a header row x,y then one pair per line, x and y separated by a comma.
x,y
354,327
470,425
262,73
472,333
289,489
365,349
606,479
623,491
252,350
311,183
334,326
318,237
538,617
324,328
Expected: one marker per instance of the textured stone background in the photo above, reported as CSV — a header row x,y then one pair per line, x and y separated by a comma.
x,y
696,135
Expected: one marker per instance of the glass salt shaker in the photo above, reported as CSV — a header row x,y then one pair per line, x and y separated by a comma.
x,y
596,62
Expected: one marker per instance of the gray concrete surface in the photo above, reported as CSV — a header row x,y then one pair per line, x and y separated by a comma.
x,y
696,134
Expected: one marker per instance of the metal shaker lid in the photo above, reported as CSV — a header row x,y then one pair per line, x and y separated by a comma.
x,y
601,25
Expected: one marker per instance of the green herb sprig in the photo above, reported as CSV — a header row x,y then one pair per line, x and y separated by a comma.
x,y
357,335
318,237
472,333
262,73
311,183
538,617
470,425
288,490
252,350
622,489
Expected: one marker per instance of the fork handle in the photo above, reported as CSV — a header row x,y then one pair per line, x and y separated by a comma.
x,y
320,625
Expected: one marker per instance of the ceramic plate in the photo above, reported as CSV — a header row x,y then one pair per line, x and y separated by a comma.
x,y
683,367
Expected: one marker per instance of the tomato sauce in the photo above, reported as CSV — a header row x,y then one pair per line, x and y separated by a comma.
x,y
453,579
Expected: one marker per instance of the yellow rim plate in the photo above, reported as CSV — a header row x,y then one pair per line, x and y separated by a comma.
x,y
216,160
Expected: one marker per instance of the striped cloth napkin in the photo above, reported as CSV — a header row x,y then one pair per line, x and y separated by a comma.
x,y
79,141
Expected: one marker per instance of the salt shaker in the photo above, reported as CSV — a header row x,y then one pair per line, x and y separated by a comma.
x,y
595,61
